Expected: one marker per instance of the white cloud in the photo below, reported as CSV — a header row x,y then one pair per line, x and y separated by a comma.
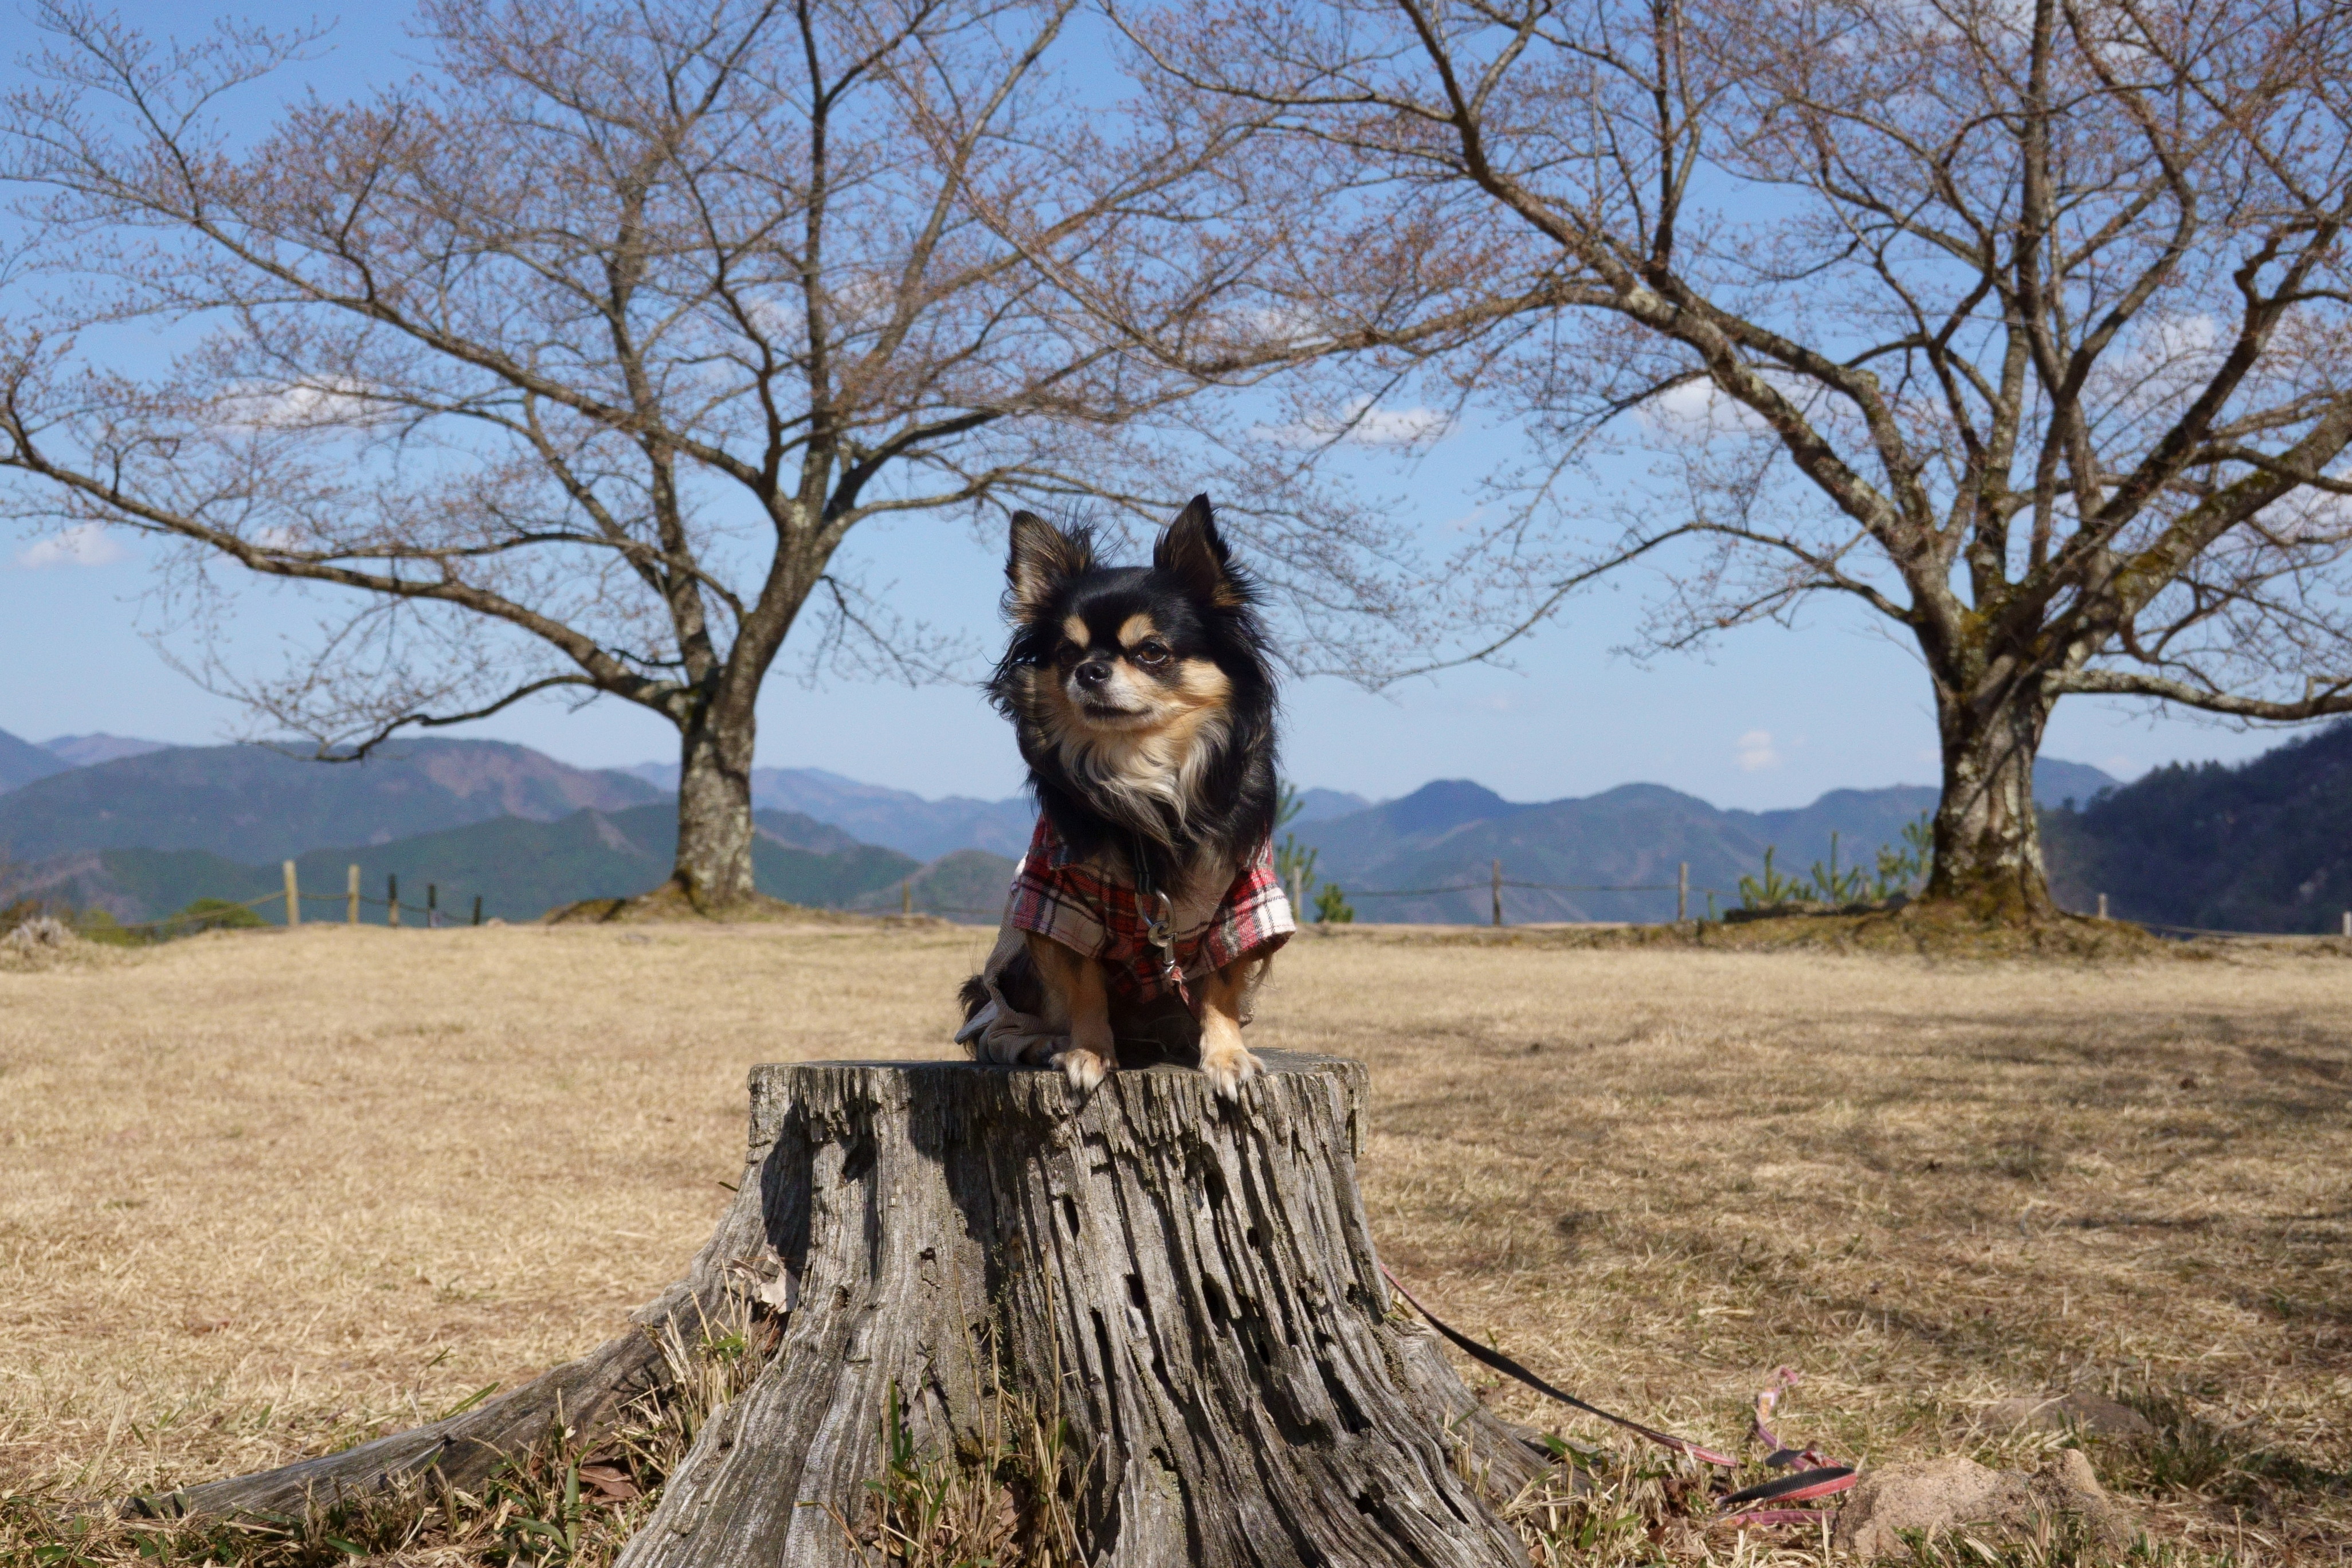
x,y
1361,425
1279,323
1696,410
299,408
1755,751
83,544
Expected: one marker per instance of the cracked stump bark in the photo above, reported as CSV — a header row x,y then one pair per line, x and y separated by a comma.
x,y
1188,1284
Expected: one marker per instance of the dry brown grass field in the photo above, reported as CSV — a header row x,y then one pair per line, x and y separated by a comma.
x,y
262,1195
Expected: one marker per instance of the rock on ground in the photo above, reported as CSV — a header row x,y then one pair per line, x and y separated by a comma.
x,y
42,933
40,942
1944,1495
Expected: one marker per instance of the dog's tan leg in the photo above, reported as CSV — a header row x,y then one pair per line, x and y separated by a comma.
x,y
1224,995
1077,986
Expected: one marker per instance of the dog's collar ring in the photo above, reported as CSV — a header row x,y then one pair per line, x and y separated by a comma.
x,y
1160,930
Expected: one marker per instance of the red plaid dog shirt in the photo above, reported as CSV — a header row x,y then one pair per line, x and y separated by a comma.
x,y
1087,912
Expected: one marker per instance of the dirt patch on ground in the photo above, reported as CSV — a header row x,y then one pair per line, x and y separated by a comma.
x,y
262,1194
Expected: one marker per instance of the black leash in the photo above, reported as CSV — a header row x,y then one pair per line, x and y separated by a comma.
x,y
1821,1481
1492,1357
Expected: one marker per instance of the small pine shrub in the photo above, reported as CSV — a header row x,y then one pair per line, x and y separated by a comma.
x,y
212,914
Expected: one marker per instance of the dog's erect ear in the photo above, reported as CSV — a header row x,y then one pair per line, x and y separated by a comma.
x,y
1192,549
1041,559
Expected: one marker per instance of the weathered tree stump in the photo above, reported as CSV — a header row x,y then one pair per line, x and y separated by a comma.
x,y
1188,1284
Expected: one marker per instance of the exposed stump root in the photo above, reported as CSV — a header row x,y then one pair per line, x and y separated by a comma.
x,y
587,1396
671,903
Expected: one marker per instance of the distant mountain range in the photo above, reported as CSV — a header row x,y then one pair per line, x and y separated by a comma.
x,y
963,885
1449,834
893,818
21,763
2263,845
519,869
141,829
926,830
81,750
256,805
2056,783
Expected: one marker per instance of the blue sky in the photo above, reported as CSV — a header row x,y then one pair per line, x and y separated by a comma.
x,y
1768,718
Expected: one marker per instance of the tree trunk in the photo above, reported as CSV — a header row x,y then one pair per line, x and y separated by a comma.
x,y
714,813
1988,838
1189,1286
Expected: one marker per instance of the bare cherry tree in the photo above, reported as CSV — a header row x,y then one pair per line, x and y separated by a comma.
x,y
2023,322
568,366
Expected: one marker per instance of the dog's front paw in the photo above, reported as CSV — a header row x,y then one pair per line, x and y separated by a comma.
x,y
1084,1067
1229,1069
1036,1050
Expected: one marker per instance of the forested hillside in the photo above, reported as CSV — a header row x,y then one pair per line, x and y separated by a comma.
x,y
254,803
2263,845
519,867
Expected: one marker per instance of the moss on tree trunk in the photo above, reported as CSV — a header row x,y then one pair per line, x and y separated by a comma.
x,y
1988,838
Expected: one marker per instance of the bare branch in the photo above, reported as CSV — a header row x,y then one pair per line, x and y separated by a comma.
x,y
2328,695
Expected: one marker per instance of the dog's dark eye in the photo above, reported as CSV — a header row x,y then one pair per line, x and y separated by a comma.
x,y
1068,654
1152,654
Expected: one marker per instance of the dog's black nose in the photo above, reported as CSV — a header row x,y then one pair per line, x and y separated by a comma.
x,y
1094,672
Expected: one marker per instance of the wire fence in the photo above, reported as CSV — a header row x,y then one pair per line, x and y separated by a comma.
x,y
430,910
217,913
2162,927
920,907
1494,885
188,920
351,901
220,913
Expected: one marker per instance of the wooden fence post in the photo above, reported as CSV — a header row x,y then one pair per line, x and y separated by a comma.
x,y
1498,892
391,899
907,897
2347,923
2103,906
293,899
432,906
1681,892
351,896
478,908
